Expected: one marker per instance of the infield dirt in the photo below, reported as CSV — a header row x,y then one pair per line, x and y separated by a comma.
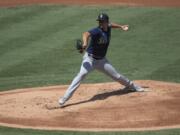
x,y
104,106
166,3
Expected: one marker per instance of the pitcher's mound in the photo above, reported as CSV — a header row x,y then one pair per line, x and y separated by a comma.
x,y
104,106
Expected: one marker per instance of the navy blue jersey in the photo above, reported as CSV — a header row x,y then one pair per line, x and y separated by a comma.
x,y
99,41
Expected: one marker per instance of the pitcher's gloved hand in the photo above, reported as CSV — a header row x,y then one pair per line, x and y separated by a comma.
x,y
79,46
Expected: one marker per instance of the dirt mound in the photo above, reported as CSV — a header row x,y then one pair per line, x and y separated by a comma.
x,y
167,3
104,106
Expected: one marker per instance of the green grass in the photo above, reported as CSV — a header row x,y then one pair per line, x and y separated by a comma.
x,y
37,49
37,44
14,131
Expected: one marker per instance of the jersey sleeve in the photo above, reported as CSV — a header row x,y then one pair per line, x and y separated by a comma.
x,y
94,31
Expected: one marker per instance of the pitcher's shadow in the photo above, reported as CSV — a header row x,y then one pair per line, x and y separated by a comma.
x,y
101,96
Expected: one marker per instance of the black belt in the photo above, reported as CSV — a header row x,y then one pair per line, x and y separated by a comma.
x,y
95,57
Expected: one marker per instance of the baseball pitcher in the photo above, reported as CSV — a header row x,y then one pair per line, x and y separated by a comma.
x,y
95,56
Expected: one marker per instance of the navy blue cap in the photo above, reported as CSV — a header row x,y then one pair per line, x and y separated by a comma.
x,y
103,17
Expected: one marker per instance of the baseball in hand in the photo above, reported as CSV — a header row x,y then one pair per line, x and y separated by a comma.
x,y
125,28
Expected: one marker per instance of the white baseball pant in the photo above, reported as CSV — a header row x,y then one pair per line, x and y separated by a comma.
x,y
88,65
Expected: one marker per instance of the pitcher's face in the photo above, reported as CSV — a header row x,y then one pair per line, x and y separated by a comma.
x,y
103,25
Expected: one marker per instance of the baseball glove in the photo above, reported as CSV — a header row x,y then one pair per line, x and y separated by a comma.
x,y
79,46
